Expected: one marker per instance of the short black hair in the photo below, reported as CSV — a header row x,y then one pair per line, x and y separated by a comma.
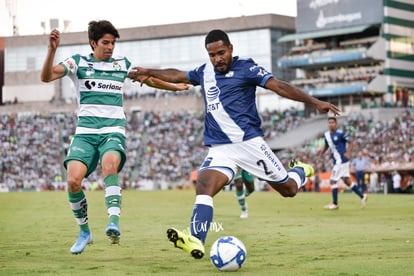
x,y
332,118
97,29
217,35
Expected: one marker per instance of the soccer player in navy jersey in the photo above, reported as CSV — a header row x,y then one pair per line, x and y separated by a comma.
x,y
232,131
340,145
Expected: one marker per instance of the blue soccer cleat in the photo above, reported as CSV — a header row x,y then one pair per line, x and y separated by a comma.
x,y
83,240
113,233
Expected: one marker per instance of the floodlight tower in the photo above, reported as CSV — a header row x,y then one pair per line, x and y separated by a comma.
x,y
11,6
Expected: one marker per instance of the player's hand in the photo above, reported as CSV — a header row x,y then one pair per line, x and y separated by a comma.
x,y
54,39
325,107
319,152
182,86
138,74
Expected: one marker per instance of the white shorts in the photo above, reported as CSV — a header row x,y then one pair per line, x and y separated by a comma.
x,y
253,155
340,171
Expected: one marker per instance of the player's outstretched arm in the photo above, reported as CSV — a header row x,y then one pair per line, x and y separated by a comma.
x,y
168,75
160,84
288,91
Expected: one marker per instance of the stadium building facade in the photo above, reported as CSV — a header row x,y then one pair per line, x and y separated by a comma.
x,y
174,45
354,53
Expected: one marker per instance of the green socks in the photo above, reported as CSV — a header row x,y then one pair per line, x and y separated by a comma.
x,y
241,198
79,206
113,197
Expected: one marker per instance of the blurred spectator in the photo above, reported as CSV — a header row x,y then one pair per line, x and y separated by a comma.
x,y
373,182
396,182
360,166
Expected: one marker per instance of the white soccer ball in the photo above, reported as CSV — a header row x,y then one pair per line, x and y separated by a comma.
x,y
228,253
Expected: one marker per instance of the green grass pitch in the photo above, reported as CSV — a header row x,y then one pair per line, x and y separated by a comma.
x,y
283,236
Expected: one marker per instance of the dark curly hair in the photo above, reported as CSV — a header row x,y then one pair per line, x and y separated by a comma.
x,y
217,35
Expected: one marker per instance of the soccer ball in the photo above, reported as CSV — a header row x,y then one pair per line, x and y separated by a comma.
x,y
228,253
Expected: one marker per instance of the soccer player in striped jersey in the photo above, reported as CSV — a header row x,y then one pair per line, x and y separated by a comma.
x,y
244,184
340,145
232,131
100,131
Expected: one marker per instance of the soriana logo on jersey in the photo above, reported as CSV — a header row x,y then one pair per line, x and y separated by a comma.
x,y
102,86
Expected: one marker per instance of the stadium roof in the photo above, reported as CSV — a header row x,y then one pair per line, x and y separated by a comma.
x,y
323,33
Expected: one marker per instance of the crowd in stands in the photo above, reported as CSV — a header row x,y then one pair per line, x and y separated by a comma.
x,y
164,148
30,149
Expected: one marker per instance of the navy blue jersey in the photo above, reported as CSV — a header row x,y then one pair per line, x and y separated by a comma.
x,y
230,100
338,143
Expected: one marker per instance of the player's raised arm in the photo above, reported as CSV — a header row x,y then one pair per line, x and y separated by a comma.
x,y
49,72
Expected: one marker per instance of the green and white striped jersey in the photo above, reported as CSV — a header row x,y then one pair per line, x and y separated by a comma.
x,y
99,93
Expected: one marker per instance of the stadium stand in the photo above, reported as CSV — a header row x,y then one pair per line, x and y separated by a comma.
x,y
165,147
